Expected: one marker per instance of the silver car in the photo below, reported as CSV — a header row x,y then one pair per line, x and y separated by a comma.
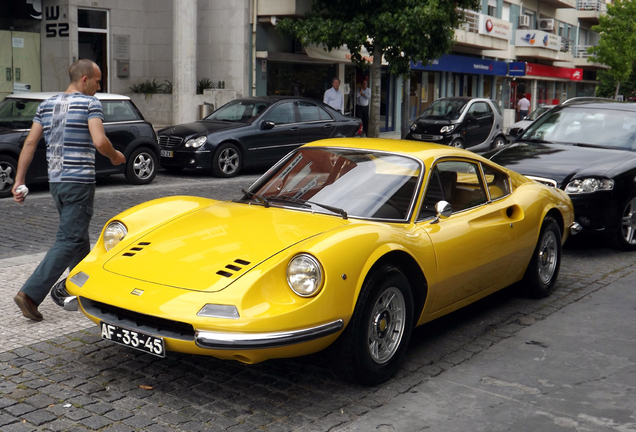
x,y
516,129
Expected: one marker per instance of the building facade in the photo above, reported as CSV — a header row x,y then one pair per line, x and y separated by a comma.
x,y
535,47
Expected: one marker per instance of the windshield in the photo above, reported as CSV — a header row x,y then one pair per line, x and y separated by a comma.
x,y
444,109
362,183
239,111
537,113
18,113
586,126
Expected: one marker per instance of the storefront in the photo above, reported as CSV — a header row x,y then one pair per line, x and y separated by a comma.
x,y
454,75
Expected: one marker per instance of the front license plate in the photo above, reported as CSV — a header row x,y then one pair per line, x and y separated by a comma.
x,y
134,339
167,153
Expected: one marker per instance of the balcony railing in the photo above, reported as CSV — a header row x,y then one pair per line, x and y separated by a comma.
x,y
580,51
591,5
567,45
471,24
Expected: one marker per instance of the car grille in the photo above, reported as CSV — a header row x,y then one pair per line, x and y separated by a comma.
x,y
545,181
426,137
135,320
170,141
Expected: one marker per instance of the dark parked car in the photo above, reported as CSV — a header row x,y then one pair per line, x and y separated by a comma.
x,y
251,131
471,123
588,149
125,126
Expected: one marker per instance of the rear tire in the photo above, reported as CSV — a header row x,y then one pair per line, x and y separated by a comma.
x,y
376,339
541,275
8,170
625,238
498,142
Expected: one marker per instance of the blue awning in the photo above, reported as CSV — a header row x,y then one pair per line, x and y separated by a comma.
x,y
461,64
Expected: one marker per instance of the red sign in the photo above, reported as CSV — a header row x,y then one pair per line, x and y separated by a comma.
x,y
554,72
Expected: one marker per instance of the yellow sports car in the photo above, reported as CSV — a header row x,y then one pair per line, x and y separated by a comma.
x,y
346,241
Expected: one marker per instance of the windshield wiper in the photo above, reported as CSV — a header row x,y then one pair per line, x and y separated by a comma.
x,y
535,140
257,197
332,209
597,146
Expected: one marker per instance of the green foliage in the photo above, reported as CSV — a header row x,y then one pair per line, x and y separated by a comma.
x,y
205,84
607,86
617,43
402,30
151,87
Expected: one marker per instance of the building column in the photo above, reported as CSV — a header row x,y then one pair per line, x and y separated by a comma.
x,y
184,63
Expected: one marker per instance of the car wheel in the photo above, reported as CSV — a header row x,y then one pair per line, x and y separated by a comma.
x,y
374,343
8,170
227,161
141,166
498,142
457,143
626,237
541,275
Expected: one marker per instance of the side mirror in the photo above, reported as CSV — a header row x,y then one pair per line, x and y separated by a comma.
x,y
443,209
266,125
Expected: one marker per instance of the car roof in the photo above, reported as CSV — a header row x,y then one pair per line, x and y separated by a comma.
x,y
601,105
274,98
46,95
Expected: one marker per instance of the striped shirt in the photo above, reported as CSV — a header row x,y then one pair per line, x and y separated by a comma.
x,y
70,151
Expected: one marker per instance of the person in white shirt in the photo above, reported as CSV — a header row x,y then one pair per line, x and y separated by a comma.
x,y
523,107
334,97
362,105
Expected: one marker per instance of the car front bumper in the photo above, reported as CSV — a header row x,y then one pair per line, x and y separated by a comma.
x,y
196,159
597,214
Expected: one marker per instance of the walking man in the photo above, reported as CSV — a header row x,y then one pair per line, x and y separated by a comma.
x,y
72,125
362,105
523,106
334,97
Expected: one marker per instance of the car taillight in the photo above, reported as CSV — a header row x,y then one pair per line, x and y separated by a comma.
x,y
359,130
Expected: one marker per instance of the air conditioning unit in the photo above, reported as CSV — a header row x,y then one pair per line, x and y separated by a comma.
x,y
524,21
546,24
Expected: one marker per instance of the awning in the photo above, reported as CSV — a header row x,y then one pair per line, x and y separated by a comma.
x,y
339,55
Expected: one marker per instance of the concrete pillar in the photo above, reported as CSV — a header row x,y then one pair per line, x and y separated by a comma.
x,y
184,61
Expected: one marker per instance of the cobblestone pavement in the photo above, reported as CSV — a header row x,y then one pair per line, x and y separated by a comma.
x,y
64,377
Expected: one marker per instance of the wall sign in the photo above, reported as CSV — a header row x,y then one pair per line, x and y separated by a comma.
x,y
55,29
121,47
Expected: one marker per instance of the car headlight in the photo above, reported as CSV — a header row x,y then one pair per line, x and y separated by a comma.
x,y
447,129
304,275
589,185
113,234
196,142
414,127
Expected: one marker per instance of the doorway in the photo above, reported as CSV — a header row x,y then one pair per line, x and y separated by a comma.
x,y
92,34
19,62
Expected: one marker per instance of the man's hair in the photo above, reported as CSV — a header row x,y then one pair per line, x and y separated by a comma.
x,y
336,79
82,67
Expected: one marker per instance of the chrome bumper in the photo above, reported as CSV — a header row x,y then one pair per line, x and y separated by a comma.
x,y
246,341
575,228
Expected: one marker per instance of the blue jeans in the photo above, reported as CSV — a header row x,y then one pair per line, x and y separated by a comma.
x,y
74,203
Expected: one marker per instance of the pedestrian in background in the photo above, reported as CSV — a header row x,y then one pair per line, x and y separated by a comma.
x,y
362,105
72,125
523,106
334,97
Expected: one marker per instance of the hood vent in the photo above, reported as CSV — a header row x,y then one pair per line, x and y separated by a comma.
x,y
234,267
133,250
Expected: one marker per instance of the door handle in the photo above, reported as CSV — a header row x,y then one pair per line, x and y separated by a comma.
x,y
294,129
328,126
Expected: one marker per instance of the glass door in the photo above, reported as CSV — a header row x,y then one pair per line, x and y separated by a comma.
x,y
19,62
92,34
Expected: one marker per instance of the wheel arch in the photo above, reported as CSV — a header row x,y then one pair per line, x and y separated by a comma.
x,y
558,217
142,142
410,268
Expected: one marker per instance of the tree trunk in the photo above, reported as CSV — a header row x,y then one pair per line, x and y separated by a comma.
x,y
376,88
618,85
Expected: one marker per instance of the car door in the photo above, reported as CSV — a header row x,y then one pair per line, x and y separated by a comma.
x,y
479,121
269,144
314,122
475,246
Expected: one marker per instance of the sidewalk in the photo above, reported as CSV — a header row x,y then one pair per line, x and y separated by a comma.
x,y
574,371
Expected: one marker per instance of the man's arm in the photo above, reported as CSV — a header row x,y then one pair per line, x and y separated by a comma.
x,y
325,98
102,143
26,156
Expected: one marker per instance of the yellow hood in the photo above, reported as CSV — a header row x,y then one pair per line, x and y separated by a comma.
x,y
207,250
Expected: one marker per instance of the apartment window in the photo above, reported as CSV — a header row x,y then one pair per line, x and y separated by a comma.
x,y
492,8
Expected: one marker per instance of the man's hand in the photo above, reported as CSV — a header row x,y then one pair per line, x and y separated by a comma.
x,y
18,196
118,158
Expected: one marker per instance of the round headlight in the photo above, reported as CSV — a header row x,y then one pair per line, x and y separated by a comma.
x,y
589,185
196,142
113,234
304,275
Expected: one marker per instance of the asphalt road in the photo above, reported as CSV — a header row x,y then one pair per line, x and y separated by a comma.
x,y
80,382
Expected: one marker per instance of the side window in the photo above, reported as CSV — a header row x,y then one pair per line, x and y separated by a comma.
x,y
480,110
497,183
117,111
282,114
458,182
308,112
324,115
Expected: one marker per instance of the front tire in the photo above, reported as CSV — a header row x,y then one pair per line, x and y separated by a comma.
x,y
8,170
375,342
540,278
626,236
141,166
498,142
457,143
227,161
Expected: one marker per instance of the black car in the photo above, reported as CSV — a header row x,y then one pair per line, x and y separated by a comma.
x,y
588,149
472,123
124,125
254,131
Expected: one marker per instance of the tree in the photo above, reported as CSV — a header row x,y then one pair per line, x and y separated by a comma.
x,y
401,31
616,47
